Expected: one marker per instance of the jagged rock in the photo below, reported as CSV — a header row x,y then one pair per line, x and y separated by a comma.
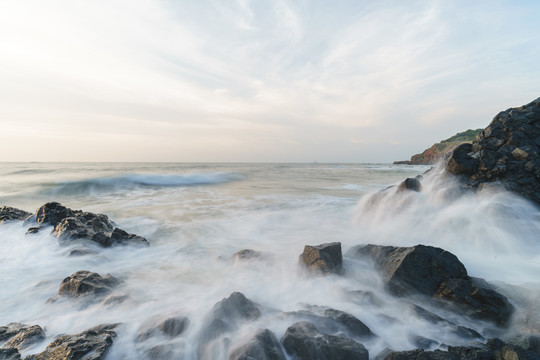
x,y
304,342
87,283
263,345
75,224
226,316
9,354
333,322
8,213
324,258
412,184
25,336
92,344
506,152
171,327
10,330
436,273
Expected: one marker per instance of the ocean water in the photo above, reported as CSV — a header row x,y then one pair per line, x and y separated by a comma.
x,y
196,216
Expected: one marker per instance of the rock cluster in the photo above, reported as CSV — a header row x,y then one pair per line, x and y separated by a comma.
x,y
434,272
506,152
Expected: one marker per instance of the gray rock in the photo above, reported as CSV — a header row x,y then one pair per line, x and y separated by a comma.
x,y
10,330
8,213
304,342
9,354
171,327
25,337
92,344
263,345
323,259
87,283
437,273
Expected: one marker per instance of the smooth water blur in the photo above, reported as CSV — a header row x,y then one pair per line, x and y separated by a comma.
x,y
197,215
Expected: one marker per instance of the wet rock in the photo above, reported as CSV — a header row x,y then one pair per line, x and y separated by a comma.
x,y
162,352
304,342
113,300
87,283
363,297
32,230
25,336
324,258
92,344
75,224
436,273
8,213
263,345
506,152
246,254
528,342
9,354
412,184
171,327
225,317
422,342
10,330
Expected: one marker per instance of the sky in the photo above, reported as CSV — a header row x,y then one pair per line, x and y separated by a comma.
x,y
257,81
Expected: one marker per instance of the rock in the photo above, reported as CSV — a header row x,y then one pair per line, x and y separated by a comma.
x,y
412,184
9,354
363,297
87,283
422,342
506,152
92,344
226,316
304,342
171,327
10,330
76,224
246,254
263,345
33,230
324,258
25,337
436,273
8,213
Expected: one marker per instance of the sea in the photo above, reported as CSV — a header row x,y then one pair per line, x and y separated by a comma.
x,y
196,216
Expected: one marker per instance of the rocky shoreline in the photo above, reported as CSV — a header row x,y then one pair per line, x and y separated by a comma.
x,y
425,278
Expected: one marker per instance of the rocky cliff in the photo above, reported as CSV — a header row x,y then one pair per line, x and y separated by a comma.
x,y
439,150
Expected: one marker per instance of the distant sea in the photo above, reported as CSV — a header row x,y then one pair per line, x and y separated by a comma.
x,y
197,215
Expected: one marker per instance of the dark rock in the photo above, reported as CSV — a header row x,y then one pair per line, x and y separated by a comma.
x,y
226,316
171,327
92,344
10,330
349,323
436,273
324,258
8,213
33,230
263,345
304,342
422,342
25,337
412,184
506,152
87,283
9,354
528,342
75,224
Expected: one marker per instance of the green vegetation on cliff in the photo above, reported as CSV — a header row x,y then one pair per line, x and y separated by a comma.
x,y
437,151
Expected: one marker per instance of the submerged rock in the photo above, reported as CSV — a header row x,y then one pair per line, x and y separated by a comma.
x,y
171,327
324,258
412,184
226,316
304,342
246,254
87,283
8,213
437,273
75,224
9,354
92,344
506,152
263,345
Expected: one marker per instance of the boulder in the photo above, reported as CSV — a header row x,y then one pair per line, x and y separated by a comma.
x,y
87,283
171,327
437,273
304,342
25,336
10,330
92,344
412,184
11,214
75,224
246,254
506,152
225,317
262,345
323,259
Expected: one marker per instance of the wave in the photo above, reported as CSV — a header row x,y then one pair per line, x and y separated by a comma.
x,y
132,181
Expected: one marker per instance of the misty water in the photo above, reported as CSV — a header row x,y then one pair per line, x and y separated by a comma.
x,y
196,216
